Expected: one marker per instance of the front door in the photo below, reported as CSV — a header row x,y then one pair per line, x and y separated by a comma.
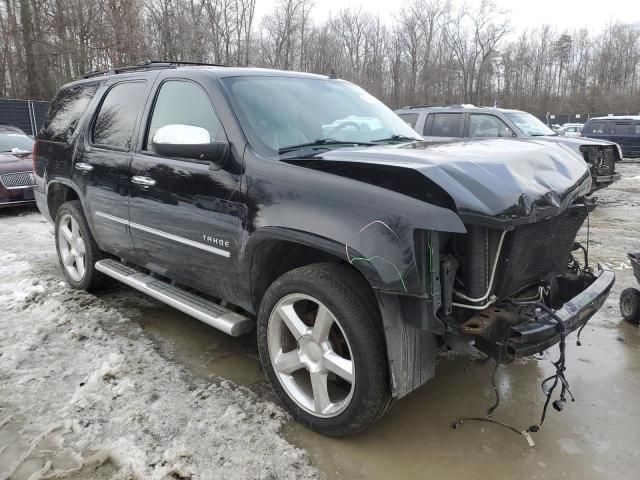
x,y
183,221
102,164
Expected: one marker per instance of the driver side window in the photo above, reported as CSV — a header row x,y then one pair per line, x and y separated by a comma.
x,y
183,103
487,126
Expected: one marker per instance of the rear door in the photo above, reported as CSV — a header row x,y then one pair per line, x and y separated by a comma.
x,y
184,223
102,163
447,125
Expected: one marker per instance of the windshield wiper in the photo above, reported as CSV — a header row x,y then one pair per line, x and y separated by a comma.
x,y
398,138
321,142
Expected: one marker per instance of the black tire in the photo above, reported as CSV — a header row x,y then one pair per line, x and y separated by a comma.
x,y
345,293
630,305
91,279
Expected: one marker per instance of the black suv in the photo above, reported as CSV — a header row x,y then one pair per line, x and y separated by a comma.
x,y
303,205
622,129
468,121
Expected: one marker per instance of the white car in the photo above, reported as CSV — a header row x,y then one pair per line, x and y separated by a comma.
x,y
571,129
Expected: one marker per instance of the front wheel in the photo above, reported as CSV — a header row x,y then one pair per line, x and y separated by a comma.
x,y
77,250
322,349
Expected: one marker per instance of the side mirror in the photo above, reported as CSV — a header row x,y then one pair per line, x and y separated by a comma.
x,y
188,141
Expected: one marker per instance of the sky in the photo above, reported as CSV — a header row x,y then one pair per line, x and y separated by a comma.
x,y
562,14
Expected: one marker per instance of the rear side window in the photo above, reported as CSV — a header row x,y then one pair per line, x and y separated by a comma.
x,y
117,116
637,132
409,118
446,125
595,127
622,129
65,112
183,103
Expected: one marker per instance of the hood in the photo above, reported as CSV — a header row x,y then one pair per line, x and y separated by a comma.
x,y
10,163
493,182
575,142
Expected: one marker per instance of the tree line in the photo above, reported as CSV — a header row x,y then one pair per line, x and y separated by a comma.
x,y
431,52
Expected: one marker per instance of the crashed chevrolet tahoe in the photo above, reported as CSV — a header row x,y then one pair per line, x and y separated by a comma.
x,y
302,205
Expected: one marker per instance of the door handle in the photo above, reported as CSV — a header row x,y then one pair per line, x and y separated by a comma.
x,y
144,181
85,167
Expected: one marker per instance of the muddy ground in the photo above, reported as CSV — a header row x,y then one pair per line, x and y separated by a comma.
x,y
118,386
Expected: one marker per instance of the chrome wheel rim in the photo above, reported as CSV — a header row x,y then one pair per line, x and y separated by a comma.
x,y
72,248
311,355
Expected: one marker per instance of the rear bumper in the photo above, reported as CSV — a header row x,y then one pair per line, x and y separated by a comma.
x,y
535,336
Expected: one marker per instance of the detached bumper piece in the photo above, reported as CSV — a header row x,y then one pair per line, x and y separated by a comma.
x,y
525,334
607,178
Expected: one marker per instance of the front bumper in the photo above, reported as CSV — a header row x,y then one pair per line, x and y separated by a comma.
x,y
603,179
16,197
506,333
533,337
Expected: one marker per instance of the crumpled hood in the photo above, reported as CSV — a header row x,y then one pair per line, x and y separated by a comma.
x,y
493,182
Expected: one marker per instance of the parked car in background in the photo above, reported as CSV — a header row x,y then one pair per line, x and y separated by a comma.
x,y
570,129
624,130
16,167
468,121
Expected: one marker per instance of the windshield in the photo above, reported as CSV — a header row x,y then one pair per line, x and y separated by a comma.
x,y
278,113
529,124
9,141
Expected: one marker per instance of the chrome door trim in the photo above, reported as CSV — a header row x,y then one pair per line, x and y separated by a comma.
x,y
160,233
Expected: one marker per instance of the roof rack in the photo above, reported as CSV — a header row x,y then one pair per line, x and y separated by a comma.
x,y
147,65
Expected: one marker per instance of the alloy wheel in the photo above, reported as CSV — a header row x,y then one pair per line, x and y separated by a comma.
x,y
72,247
311,355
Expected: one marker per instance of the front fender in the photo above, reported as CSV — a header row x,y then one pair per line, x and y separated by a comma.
x,y
368,226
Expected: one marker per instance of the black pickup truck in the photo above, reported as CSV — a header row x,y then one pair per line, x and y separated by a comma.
x,y
302,205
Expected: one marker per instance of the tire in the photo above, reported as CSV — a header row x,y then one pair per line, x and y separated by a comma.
x,y
630,305
72,232
349,326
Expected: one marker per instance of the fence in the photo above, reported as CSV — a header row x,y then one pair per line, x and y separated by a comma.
x,y
27,115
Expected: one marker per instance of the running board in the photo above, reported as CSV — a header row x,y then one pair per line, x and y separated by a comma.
x,y
229,322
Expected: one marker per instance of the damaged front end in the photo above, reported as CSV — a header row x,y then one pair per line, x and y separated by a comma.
x,y
507,288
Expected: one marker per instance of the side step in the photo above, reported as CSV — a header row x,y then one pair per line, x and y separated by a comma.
x,y
229,322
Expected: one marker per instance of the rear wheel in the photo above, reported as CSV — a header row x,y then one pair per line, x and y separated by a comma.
x,y
322,349
630,305
77,250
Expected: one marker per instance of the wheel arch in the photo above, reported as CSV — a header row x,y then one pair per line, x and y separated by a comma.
x,y
293,249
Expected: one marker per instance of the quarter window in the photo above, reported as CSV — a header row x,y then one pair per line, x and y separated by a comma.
x,y
482,125
183,103
117,116
446,125
65,112
409,118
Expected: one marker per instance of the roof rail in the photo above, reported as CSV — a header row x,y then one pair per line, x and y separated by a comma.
x,y
409,107
147,65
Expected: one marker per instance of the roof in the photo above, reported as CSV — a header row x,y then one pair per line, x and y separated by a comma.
x,y
219,71
618,117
